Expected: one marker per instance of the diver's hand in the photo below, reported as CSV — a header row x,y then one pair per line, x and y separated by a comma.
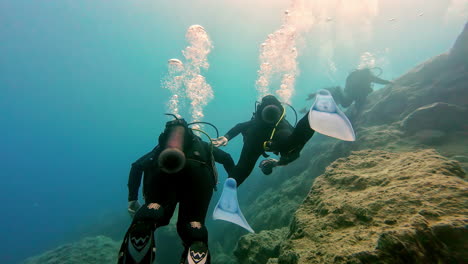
x,y
133,206
267,166
221,141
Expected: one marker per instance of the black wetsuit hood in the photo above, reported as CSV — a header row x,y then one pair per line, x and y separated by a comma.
x,y
273,110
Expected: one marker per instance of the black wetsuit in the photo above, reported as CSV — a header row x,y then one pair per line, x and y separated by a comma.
x,y
141,167
191,188
359,86
287,141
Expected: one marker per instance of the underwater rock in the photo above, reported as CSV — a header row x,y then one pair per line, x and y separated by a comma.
x,y
259,248
459,51
460,158
436,116
439,79
430,137
271,201
90,250
382,207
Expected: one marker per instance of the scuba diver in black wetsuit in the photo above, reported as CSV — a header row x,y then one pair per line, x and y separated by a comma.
x,y
141,167
358,86
269,131
266,125
179,170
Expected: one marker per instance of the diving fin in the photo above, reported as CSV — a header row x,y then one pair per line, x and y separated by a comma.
x,y
227,208
138,246
326,118
198,253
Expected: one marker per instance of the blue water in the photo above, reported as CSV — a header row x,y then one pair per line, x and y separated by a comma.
x,y
81,98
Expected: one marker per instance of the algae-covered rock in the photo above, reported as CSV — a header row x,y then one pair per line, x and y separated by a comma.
x,y
382,207
90,250
259,248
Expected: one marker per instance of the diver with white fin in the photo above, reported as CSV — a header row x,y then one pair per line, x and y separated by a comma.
x,y
269,131
324,116
180,170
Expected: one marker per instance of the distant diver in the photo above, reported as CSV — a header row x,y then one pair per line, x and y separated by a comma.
x,y
269,131
180,170
358,86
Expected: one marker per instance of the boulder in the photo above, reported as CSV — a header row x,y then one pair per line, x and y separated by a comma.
x,y
437,116
259,248
381,207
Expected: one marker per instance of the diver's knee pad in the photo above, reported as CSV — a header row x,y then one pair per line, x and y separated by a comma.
x,y
138,245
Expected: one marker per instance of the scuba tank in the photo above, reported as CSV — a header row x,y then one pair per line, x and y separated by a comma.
x,y
173,139
177,138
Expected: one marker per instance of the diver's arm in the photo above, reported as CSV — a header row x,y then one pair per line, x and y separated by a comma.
x,y
267,165
136,172
237,129
376,79
232,133
223,158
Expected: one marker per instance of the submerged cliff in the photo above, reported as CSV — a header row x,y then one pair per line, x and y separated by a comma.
x,y
411,138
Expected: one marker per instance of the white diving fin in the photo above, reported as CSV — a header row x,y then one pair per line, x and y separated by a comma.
x,y
228,209
326,118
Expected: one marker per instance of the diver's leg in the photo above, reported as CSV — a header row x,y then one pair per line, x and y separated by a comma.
x,y
296,141
195,196
346,100
138,245
289,145
337,94
249,156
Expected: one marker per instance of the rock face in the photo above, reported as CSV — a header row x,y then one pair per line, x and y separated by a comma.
x,y
381,207
443,78
258,248
98,249
459,52
436,116
426,108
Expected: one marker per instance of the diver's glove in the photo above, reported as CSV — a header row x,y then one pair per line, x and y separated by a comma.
x,y
133,206
267,166
221,141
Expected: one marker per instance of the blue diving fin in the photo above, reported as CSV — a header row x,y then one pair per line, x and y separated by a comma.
x,y
227,208
326,118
